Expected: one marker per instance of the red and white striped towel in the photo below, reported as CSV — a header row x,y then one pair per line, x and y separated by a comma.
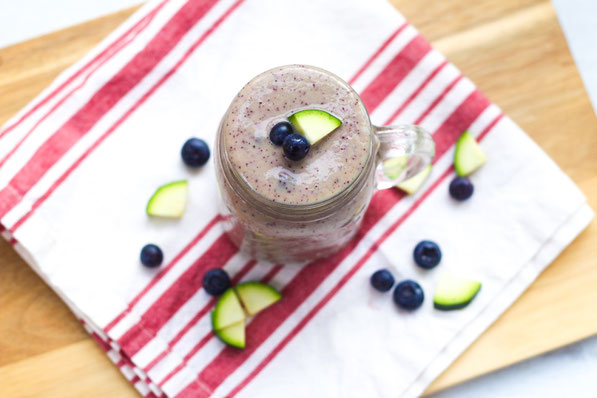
x,y
78,164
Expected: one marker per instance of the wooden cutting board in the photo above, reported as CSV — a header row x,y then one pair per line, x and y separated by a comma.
x,y
513,49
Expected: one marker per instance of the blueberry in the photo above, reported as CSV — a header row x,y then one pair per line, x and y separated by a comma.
x,y
151,255
461,188
279,132
427,254
295,146
408,295
216,281
195,152
382,280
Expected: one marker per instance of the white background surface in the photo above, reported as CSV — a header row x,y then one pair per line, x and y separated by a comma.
x,y
24,19
566,372
578,19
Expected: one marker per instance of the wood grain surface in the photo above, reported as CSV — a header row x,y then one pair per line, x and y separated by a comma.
x,y
513,50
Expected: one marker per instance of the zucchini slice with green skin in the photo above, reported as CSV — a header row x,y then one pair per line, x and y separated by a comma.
x,y
228,311
414,183
468,155
257,296
233,335
169,200
314,124
454,292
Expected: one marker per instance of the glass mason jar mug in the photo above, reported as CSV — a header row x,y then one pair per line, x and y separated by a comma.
x,y
293,211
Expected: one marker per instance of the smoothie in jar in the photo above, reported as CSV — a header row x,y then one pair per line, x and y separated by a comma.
x,y
284,210
331,165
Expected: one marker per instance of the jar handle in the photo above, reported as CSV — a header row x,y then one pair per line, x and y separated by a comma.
x,y
403,152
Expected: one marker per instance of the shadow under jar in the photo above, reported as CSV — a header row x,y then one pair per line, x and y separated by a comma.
x,y
281,210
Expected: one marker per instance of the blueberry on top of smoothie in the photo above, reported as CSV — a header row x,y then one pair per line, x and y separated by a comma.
x,y
296,147
279,132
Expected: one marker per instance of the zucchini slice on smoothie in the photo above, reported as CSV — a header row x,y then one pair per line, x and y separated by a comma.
x,y
314,124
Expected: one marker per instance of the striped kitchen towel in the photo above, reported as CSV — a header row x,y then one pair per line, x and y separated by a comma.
x,y
78,164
